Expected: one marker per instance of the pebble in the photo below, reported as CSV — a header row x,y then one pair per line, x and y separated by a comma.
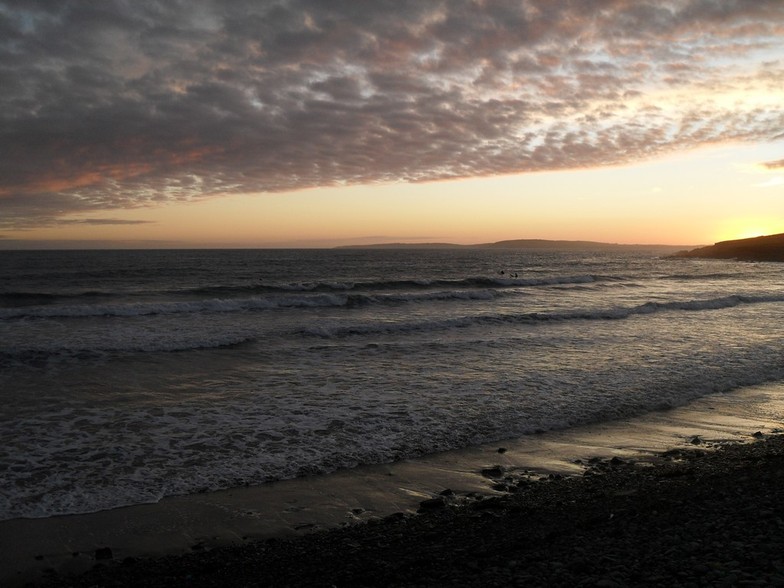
x,y
431,504
493,472
705,527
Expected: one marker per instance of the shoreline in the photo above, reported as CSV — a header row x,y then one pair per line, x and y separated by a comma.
x,y
694,518
231,521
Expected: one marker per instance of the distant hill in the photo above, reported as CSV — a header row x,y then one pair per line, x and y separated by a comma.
x,y
768,248
530,244
405,246
569,245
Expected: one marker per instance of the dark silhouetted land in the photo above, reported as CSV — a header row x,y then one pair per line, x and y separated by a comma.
x,y
768,248
529,244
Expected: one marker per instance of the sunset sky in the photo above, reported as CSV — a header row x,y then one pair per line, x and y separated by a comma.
x,y
324,122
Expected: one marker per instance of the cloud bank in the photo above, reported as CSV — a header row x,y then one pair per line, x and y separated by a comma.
x,y
112,104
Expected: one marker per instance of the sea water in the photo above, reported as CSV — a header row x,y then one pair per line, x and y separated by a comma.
x,y
127,376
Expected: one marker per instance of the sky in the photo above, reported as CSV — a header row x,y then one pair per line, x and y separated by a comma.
x,y
312,123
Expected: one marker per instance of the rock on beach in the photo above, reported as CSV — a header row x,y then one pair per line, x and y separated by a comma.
x,y
695,518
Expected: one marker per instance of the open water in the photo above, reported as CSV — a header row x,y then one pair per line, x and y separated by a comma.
x,y
127,376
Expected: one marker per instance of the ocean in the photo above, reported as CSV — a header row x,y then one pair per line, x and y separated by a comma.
x,y
128,376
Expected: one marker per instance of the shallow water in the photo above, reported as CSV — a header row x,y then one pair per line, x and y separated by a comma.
x,y
302,505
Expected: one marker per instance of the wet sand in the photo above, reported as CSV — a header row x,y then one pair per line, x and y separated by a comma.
x,y
233,526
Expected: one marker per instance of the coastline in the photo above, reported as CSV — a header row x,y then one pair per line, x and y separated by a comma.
x,y
763,248
234,521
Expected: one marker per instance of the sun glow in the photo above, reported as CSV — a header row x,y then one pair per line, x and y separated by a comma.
x,y
748,228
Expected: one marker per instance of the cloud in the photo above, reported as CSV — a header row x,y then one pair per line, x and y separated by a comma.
x,y
774,164
117,105
103,221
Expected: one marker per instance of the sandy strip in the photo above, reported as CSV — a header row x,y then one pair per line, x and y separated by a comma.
x,y
200,522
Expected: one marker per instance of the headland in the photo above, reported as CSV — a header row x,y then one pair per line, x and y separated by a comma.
x,y
766,248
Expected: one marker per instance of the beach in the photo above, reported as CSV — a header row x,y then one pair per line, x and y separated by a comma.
x,y
689,495
696,520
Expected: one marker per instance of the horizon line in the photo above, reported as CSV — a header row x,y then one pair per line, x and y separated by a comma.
x,y
142,244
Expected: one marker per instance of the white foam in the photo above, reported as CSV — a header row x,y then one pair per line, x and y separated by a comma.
x,y
597,314
402,367
87,458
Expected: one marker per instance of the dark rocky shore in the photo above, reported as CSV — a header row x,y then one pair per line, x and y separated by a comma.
x,y
691,517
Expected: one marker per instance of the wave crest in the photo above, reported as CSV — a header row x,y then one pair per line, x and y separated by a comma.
x,y
534,317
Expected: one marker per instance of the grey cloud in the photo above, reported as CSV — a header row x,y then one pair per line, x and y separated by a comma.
x,y
111,104
39,218
104,221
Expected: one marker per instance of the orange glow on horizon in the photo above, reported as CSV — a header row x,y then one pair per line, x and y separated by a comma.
x,y
698,198
748,228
